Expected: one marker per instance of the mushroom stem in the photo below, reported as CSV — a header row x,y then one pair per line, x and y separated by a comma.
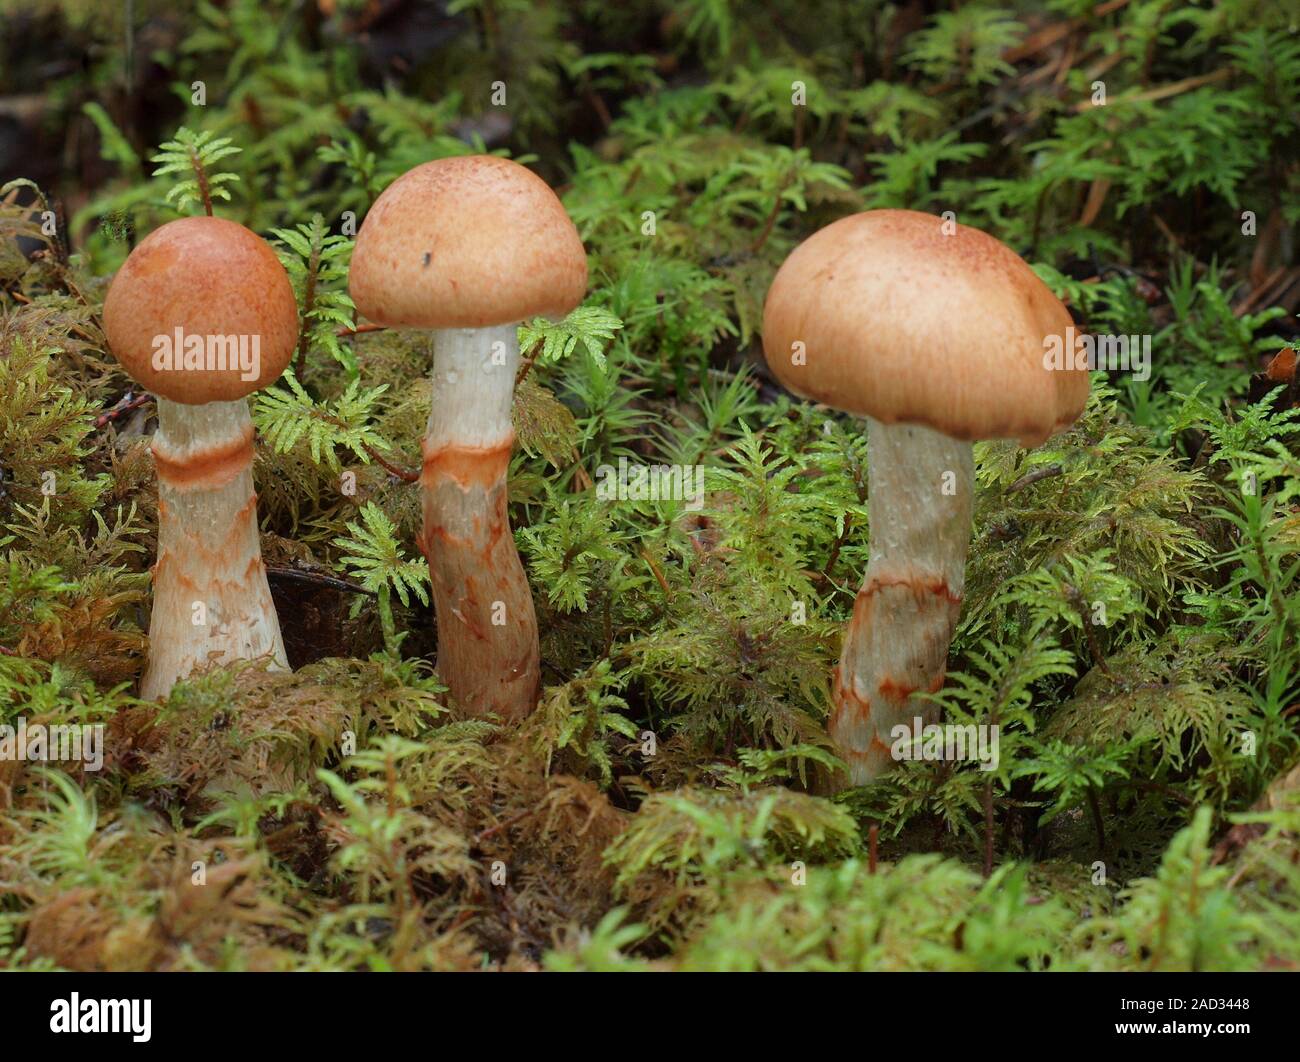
x,y
487,630
920,500
211,601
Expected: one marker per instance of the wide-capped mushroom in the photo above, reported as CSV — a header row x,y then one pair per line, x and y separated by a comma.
x,y
469,247
937,335
202,314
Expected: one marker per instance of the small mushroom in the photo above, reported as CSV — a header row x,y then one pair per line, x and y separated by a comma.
x,y
203,314
469,247
937,334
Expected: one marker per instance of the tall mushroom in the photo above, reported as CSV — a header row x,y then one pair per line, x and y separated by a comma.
x,y
937,334
202,314
469,247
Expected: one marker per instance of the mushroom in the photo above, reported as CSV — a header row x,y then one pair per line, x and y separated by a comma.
x,y
937,335
469,247
202,314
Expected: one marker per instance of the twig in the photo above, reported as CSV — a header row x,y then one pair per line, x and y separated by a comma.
x,y
483,835
308,305
528,363
317,579
598,105
1075,597
1156,787
1094,647
122,409
1164,91
827,573
1169,233
1033,477
988,829
405,474
873,834
654,570
771,219
579,473
1094,807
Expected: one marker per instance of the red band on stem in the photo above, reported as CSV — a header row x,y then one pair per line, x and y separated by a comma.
x,y
467,466
207,469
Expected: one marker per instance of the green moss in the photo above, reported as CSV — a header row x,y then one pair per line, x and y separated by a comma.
x,y
1131,619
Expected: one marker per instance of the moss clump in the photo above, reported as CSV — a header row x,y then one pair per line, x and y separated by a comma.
x,y
1132,623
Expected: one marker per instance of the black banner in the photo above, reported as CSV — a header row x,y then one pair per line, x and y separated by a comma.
x,y
340,1011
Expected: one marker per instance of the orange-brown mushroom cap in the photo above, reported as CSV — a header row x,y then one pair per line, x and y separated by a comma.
x,y
467,242
903,323
208,278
